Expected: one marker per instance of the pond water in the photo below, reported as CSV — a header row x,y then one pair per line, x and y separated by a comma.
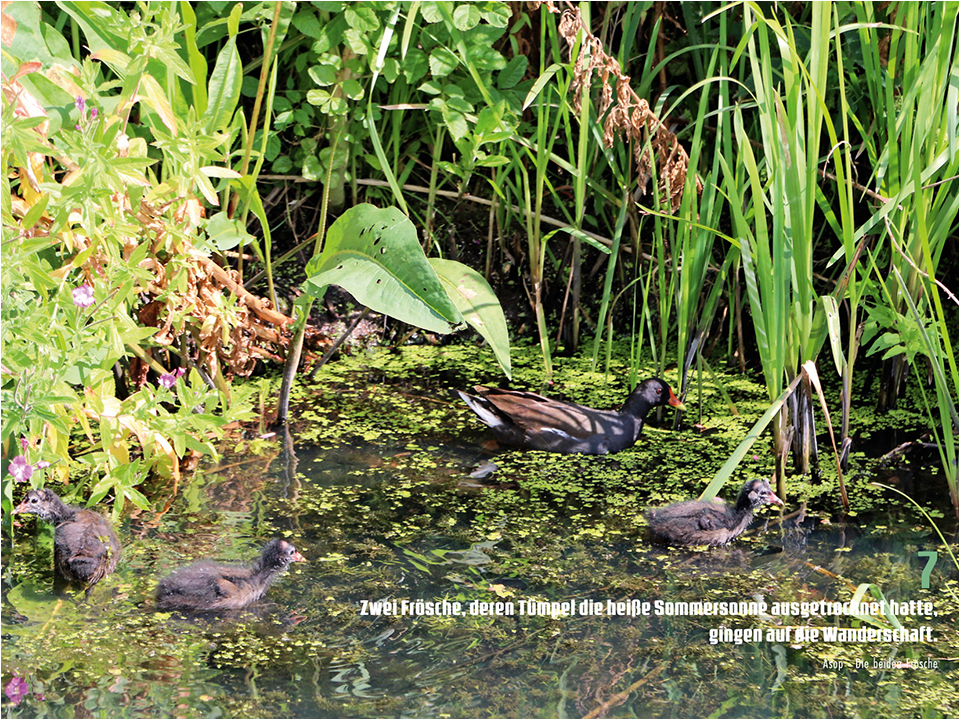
x,y
374,487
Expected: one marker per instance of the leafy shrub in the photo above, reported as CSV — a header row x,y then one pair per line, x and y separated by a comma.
x,y
115,323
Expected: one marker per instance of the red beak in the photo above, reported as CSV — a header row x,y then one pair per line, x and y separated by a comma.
x,y
675,402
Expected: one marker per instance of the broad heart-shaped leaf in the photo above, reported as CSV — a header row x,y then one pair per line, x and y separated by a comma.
x,y
374,254
478,304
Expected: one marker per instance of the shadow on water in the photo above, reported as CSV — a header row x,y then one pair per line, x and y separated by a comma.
x,y
581,614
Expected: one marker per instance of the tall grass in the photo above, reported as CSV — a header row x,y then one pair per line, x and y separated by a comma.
x,y
910,90
914,91
695,305
775,225
913,146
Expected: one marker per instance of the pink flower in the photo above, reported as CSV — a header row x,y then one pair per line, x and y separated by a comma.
x,y
21,469
24,444
83,296
16,689
80,103
93,113
168,380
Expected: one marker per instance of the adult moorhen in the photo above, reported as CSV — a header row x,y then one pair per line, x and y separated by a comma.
x,y
207,585
85,547
533,421
695,522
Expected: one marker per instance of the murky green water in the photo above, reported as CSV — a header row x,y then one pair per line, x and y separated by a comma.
x,y
377,495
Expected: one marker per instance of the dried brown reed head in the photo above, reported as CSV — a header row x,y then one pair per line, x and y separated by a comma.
x,y
630,117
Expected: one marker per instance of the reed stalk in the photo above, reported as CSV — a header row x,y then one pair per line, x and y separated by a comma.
x,y
912,143
776,226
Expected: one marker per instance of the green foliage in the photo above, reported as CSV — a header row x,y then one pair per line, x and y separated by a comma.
x,y
403,89
443,62
83,247
374,254
58,375
478,305
915,334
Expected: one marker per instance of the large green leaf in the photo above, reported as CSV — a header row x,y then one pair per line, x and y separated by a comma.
x,y
478,304
35,41
101,23
374,254
224,91
32,39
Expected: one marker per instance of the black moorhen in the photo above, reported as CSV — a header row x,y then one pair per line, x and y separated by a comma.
x,y
207,585
696,522
533,421
85,547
